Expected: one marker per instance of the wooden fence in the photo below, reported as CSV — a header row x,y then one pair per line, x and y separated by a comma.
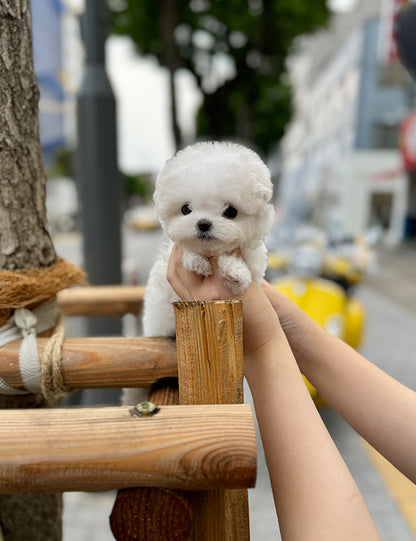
x,y
193,460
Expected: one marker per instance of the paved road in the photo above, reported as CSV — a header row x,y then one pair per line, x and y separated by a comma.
x,y
390,344
396,279
390,300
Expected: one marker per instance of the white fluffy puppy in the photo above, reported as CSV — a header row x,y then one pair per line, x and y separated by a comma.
x,y
212,199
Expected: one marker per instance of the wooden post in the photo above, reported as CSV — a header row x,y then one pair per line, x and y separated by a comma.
x,y
210,368
149,513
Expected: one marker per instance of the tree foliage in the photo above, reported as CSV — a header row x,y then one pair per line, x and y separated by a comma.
x,y
235,49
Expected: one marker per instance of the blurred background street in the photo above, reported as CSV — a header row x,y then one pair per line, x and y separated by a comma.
x,y
320,91
389,296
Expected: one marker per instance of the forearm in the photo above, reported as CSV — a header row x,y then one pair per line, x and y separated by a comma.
x,y
315,495
378,407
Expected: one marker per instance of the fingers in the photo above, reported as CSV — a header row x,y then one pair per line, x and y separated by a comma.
x,y
296,324
270,293
178,277
190,286
276,298
267,288
172,274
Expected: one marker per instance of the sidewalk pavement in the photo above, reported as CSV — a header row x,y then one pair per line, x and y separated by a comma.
x,y
396,275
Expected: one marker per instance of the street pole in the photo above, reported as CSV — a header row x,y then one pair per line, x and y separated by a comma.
x,y
99,180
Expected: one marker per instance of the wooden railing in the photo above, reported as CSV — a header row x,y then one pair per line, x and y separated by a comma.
x,y
193,461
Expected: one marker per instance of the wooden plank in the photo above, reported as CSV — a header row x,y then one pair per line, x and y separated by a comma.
x,y
94,449
101,300
210,368
102,362
149,513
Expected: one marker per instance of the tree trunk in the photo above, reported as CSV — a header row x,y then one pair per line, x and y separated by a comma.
x,y
168,20
176,130
24,240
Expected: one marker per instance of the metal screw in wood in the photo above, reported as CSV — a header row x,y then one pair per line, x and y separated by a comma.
x,y
144,409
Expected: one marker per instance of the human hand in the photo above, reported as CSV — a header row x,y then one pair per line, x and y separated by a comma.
x,y
298,327
260,325
191,286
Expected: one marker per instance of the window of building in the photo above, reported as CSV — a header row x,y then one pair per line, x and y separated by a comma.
x,y
385,135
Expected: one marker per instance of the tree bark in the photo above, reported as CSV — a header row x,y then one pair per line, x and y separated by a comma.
x,y
168,20
24,239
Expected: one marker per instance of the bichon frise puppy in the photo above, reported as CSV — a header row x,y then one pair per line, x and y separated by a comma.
x,y
212,199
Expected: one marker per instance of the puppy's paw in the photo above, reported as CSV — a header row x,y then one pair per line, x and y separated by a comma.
x,y
236,274
196,263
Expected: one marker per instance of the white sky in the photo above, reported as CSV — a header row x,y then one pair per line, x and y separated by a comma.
x,y
343,5
141,89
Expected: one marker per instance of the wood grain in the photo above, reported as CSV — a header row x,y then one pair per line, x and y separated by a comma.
x,y
149,513
101,300
94,449
210,368
102,362
210,352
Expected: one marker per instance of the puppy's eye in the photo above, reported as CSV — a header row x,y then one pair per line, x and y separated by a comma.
x,y
230,212
186,209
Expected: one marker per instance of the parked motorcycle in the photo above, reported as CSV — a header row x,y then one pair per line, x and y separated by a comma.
x,y
321,281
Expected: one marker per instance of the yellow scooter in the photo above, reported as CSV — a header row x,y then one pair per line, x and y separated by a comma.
x,y
321,287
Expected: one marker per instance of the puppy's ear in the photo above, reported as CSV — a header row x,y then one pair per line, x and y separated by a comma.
x,y
156,197
265,221
263,189
161,207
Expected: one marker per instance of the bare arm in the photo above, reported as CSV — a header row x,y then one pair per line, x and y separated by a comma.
x,y
315,495
378,407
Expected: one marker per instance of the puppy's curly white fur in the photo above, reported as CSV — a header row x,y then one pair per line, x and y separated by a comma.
x,y
213,199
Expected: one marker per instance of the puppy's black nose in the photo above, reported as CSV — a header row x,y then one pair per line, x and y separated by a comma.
x,y
204,225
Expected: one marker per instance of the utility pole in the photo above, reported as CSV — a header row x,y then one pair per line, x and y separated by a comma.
x,y
99,180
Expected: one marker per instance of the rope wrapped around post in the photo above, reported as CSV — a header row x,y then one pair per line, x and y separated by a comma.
x,y
28,298
52,382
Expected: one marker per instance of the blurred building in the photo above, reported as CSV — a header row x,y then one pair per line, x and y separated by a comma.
x,y
57,56
341,166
